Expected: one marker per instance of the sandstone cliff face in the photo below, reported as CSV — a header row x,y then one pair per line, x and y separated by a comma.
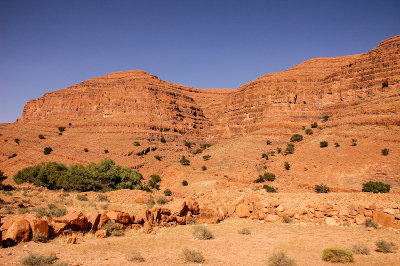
x,y
114,111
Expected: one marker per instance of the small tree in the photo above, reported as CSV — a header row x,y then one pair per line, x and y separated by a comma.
x,y
323,144
289,148
269,142
322,188
270,189
204,168
309,131
314,125
47,150
354,142
158,157
325,118
184,161
61,129
385,84
296,138
41,136
337,145
287,165
163,140
17,141
376,187
86,150
167,192
198,151
185,183
385,152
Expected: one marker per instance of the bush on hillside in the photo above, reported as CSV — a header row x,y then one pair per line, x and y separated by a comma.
x,y
323,144
270,189
314,125
337,255
289,148
47,150
184,161
322,188
93,177
376,187
385,152
309,131
296,138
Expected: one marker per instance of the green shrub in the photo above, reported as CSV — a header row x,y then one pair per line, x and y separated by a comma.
x,y
265,177
289,148
361,249
322,188
201,232
337,145
272,153
269,142
385,84
81,197
17,141
192,255
303,127
61,129
265,156
204,168
184,161
162,200
296,138
385,152
12,156
386,247
323,144
287,165
337,255
39,237
35,260
163,140
94,177
314,125
354,142
205,146
206,157
278,150
167,192
101,197
70,124
86,150
280,259
244,231
371,223
287,219
113,229
270,189
154,180
136,143
184,183
47,150
376,187
158,157
325,118
22,210
106,151
198,151
309,131
134,256
188,144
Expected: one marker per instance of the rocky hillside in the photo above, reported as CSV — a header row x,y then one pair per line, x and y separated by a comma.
x,y
125,115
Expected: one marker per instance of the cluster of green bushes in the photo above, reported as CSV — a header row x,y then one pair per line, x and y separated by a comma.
x,y
105,176
154,180
376,187
265,177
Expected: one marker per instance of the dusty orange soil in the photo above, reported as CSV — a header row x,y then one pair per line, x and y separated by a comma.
x,y
303,243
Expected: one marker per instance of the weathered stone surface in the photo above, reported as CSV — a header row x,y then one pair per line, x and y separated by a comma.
x,y
119,217
38,225
208,216
384,219
93,220
19,231
101,234
243,210
75,220
271,218
330,221
102,220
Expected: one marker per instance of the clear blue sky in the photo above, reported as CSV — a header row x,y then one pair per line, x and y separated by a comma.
x,y
50,45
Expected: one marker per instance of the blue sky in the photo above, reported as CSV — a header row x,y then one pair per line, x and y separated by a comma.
x,y
50,45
